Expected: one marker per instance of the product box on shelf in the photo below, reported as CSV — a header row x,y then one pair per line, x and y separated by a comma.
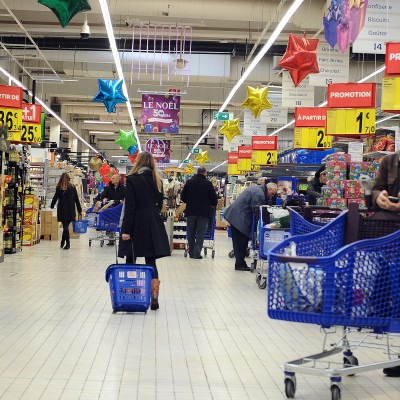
x,y
30,217
31,201
337,203
336,170
340,157
329,192
357,169
353,189
29,235
321,202
336,184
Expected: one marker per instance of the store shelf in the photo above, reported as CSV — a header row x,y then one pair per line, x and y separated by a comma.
x,y
373,154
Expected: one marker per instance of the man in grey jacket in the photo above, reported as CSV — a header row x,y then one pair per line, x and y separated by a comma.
x,y
240,216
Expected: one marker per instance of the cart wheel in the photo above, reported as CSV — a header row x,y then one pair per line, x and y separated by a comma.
x,y
213,254
185,253
262,284
205,251
349,361
101,243
90,243
258,279
231,254
336,393
290,388
253,266
114,311
248,252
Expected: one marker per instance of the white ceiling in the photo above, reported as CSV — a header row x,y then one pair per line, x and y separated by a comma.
x,y
222,27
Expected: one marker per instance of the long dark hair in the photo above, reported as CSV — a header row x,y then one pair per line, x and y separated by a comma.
x,y
145,159
64,183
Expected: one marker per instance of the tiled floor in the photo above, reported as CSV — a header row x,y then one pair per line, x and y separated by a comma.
x,y
211,338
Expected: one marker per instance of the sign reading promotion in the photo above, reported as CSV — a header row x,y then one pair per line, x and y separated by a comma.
x,y
160,113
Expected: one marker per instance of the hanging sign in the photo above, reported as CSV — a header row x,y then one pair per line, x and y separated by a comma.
x,y
381,26
233,157
160,149
351,121
10,96
392,59
11,118
300,96
391,94
312,138
346,95
160,113
254,126
32,113
310,117
265,143
333,66
232,164
277,115
239,140
244,158
264,157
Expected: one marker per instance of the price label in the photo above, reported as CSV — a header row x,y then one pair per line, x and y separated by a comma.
x,y
264,157
11,118
351,121
311,138
30,133
244,164
233,170
391,93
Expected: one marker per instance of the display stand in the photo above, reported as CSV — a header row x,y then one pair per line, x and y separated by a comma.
x,y
38,173
4,149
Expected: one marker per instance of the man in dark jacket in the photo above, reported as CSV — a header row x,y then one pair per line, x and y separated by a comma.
x,y
114,191
315,186
199,196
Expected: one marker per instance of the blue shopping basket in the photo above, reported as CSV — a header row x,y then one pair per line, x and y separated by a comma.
x,y
80,226
130,287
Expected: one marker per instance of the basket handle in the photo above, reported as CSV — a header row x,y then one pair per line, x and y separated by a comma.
x,y
309,260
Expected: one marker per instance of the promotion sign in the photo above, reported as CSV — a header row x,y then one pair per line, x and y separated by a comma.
x,y
351,122
265,143
264,157
160,149
310,117
244,158
391,94
233,157
10,96
160,113
11,118
346,95
392,59
312,138
232,164
32,113
29,133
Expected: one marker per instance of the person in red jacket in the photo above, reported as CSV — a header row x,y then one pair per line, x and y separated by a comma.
x,y
199,196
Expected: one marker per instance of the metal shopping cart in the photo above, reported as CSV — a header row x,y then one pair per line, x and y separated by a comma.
x,y
345,274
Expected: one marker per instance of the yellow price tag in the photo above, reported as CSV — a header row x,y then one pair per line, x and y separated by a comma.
x,y
264,157
311,138
244,164
31,133
391,93
11,118
351,121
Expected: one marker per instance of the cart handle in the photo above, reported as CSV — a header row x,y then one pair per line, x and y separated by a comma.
x,y
311,260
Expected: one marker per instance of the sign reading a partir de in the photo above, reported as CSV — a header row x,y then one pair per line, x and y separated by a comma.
x,y
10,96
351,95
310,117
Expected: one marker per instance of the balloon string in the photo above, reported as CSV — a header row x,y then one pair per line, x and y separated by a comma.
x,y
190,53
147,46
183,48
176,45
133,48
169,48
161,53
140,50
154,50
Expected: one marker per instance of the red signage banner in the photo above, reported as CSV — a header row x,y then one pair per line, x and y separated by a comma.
x,y
10,96
352,95
310,117
245,151
232,157
392,59
31,113
265,142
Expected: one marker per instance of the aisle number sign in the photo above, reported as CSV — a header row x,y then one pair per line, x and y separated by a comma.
x,y
357,95
354,121
391,93
11,118
312,138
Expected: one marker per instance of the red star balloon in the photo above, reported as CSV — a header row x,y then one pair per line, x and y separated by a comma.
x,y
300,58
104,170
133,157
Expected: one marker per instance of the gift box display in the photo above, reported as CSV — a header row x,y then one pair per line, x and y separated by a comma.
x,y
336,170
337,203
335,184
329,192
340,157
353,189
321,202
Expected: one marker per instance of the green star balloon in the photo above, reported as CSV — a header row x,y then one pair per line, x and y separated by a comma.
x,y
126,139
65,10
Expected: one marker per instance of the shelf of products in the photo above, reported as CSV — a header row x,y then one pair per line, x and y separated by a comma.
x,y
179,233
38,172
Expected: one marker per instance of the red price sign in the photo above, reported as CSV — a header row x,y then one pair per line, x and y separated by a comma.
x,y
31,113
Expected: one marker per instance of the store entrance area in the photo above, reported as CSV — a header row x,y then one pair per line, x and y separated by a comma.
x,y
210,339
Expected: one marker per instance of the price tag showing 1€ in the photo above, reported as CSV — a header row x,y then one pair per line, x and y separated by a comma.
x,y
351,121
311,138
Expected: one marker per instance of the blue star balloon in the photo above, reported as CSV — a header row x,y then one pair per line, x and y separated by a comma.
x,y
110,93
132,150
65,10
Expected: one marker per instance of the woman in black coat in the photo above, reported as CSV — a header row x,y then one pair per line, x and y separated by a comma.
x,y
67,197
315,186
142,220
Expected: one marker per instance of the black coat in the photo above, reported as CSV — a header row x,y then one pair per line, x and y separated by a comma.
x,y
142,219
314,191
111,192
67,199
199,196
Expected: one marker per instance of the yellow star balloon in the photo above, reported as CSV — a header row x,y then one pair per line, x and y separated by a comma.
x,y
202,158
356,4
189,169
257,100
231,129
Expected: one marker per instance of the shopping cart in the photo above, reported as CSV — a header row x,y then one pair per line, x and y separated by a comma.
x,y
209,239
105,223
346,274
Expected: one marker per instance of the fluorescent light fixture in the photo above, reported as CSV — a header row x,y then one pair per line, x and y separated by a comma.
x,y
48,109
113,45
119,156
387,118
219,165
289,13
95,121
101,133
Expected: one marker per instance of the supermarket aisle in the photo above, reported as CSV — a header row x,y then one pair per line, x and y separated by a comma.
x,y
211,338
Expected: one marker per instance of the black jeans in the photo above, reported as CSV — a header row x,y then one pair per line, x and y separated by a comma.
x,y
240,243
196,229
150,261
65,233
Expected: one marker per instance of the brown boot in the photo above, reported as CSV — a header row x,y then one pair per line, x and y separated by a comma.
x,y
155,289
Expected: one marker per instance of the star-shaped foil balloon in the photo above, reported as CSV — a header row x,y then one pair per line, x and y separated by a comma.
x,y
110,93
231,129
65,10
104,170
300,58
257,100
189,169
202,158
126,139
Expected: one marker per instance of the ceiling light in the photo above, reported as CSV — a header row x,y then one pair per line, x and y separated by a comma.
x,y
96,121
101,133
